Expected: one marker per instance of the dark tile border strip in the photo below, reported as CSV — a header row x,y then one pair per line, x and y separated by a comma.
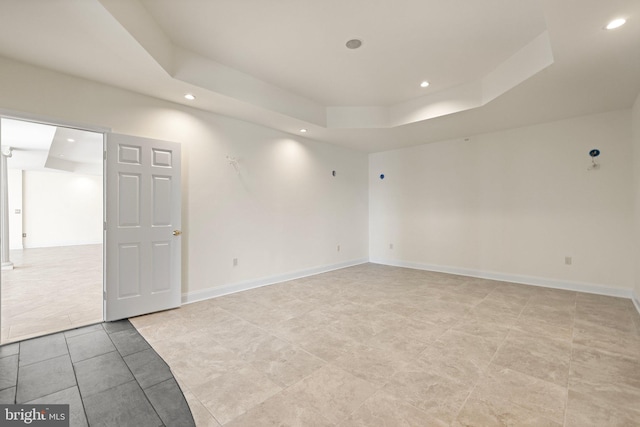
x,y
107,372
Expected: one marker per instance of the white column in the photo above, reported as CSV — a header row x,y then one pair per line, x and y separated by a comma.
x,y
4,212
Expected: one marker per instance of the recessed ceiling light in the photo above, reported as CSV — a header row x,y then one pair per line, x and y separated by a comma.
x,y
190,96
303,131
424,84
354,43
616,23
71,140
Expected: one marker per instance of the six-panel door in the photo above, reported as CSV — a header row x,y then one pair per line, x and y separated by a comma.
x,y
143,224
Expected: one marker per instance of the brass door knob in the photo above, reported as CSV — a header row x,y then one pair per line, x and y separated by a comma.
x,y
177,232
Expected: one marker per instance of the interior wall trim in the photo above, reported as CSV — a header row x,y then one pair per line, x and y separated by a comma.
x,y
523,280
201,295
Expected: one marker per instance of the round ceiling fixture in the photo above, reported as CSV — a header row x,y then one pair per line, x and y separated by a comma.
x,y
354,44
424,84
189,96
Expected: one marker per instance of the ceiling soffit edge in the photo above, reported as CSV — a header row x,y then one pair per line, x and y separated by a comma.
x,y
135,19
192,68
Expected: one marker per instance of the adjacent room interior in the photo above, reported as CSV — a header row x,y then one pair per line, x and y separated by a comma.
x,y
52,279
418,212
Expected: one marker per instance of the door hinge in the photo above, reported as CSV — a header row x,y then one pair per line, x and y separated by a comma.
x,y
104,295
104,155
104,225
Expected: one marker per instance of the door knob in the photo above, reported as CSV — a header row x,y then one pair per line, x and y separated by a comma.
x,y
177,232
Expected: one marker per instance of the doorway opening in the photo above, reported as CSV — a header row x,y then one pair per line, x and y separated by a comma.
x,y
52,235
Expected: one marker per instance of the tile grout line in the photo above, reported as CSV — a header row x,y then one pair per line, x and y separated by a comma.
x,y
573,337
510,333
15,397
75,375
483,373
194,397
455,417
131,372
492,357
76,385
173,377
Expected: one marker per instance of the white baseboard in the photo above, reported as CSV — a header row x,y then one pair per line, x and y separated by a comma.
x,y
61,244
190,297
524,280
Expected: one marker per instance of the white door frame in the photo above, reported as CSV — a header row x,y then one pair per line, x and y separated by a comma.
x,y
36,118
30,117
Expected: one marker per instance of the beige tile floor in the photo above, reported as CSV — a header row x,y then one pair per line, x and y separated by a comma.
x,y
51,290
377,346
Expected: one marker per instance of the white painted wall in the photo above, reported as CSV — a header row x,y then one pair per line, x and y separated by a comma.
x,y
512,204
284,213
61,209
636,167
14,184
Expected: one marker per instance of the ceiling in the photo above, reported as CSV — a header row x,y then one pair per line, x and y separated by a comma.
x,y
491,64
41,147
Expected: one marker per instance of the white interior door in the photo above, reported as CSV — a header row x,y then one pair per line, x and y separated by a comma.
x,y
143,222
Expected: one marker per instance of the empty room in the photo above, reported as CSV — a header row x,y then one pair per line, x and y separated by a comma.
x,y
354,213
